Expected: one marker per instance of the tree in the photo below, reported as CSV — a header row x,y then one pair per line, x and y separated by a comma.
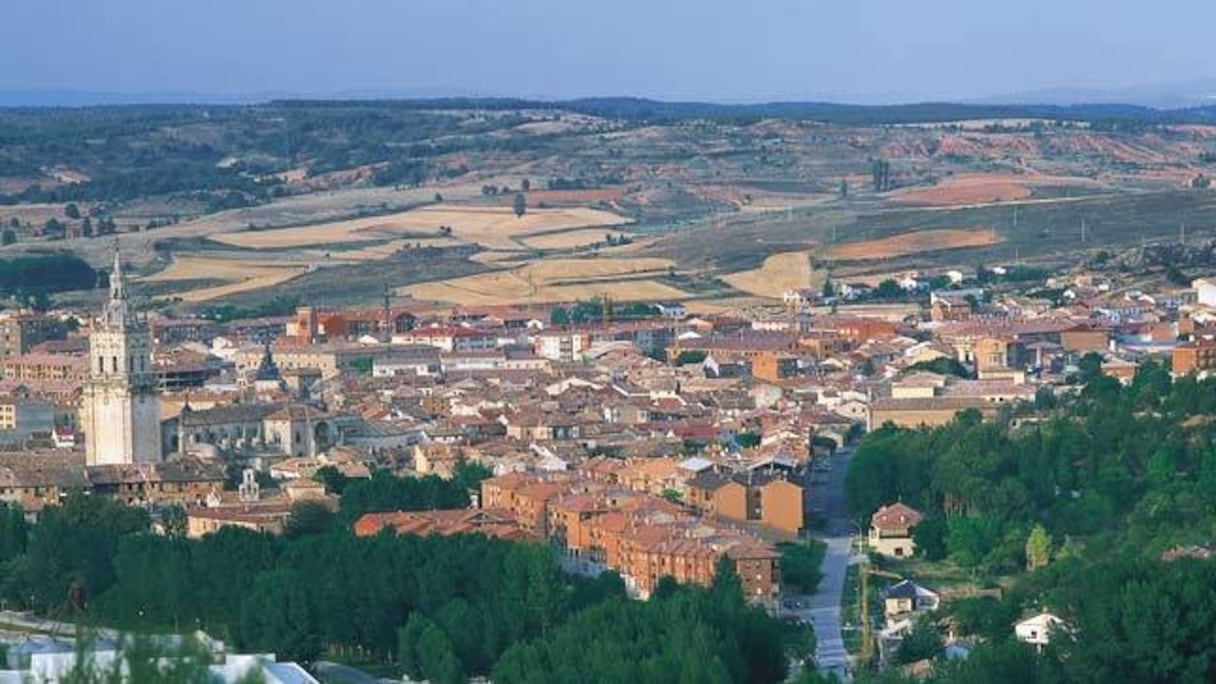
x,y
1038,548
278,616
53,229
438,198
86,227
929,537
8,237
437,658
335,482
844,189
828,291
407,644
747,440
880,170
1090,367
72,211
923,642
889,289
525,185
800,565
308,517
519,204
174,521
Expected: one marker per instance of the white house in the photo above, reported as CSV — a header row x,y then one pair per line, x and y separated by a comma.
x,y
1205,291
909,282
891,530
673,310
1037,630
558,345
909,597
799,298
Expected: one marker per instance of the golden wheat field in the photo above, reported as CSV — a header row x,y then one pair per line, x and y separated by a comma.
x,y
242,275
778,273
492,227
556,280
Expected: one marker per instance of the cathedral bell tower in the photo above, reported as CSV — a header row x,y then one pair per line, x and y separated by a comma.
x,y
121,413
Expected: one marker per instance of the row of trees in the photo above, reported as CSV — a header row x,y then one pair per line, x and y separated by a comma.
x,y
443,608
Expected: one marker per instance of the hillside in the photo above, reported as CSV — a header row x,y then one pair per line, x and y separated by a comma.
x,y
247,199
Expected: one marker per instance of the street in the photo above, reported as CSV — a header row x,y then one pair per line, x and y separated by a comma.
x,y
825,500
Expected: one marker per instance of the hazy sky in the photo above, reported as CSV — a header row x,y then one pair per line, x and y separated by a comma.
x,y
861,50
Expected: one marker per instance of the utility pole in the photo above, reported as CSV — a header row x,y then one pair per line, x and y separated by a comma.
x,y
1082,230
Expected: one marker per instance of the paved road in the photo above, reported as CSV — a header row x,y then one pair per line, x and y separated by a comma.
x,y
825,500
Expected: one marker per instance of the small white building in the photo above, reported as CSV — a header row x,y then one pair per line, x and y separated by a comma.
x,y
1205,291
558,345
1037,630
412,359
908,597
672,310
801,298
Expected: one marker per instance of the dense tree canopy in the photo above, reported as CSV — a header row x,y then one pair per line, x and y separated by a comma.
x,y
1076,501
442,607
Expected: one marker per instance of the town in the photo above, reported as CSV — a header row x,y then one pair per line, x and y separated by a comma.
x,y
657,444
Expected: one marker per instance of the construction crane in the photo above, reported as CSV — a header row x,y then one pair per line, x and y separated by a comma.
x,y
863,608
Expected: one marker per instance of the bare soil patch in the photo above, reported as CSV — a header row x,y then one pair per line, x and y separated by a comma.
x,y
967,189
912,243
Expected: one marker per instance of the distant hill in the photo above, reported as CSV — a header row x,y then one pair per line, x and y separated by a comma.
x,y
632,108
1183,95
1188,103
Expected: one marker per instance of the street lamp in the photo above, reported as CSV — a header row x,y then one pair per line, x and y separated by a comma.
x,y
856,538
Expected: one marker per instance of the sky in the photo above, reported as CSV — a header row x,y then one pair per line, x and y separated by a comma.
x,y
867,51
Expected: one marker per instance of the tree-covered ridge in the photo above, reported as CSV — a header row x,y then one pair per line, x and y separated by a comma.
x,y
444,608
1131,465
1070,505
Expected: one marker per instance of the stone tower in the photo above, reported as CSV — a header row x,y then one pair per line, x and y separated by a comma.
x,y
121,413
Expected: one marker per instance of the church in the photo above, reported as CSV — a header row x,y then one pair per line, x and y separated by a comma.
x,y
121,412
120,416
